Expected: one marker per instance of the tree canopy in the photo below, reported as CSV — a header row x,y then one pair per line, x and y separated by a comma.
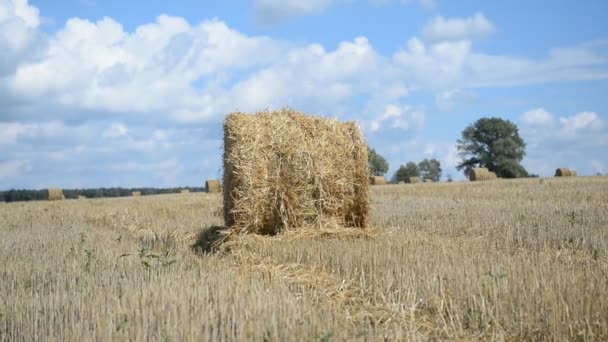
x,y
495,144
430,169
378,166
406,171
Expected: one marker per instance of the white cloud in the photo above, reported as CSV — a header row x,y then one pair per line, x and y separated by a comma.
x,y
19,9
452,29
19,39
399,117
116,130
448,100
108,82
580,122
10,168
568,141
538,117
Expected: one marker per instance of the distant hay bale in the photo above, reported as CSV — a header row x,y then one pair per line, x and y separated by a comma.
x,y
400,182
287,170
136,193
55,194
377,180
412,180
564,172
213,185
481,174
184,191
428,181
82,197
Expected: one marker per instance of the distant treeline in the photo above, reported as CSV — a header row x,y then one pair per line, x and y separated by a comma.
x,y
42,195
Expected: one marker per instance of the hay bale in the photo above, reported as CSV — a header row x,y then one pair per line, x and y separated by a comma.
x,y
286,170
564,172
377,180
136,193
55,194
213,185
184,191
412,180
82,197
477,174
400,182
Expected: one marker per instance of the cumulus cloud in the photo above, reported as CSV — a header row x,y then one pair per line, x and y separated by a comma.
x,y
571,140
537,117
581,122
19,39
399,117
451,29
93,94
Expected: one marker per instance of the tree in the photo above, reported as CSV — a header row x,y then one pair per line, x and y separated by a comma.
x,y
493,143
378,166
406,171
430,169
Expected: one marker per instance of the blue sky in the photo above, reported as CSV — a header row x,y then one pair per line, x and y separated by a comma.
x,y
113,93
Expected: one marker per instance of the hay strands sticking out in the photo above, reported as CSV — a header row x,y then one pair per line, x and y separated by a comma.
x,y
283,170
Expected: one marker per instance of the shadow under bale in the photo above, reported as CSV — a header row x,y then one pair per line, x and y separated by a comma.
x,y
209,239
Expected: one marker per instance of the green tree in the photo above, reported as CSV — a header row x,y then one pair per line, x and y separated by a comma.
x,y
430,169
405,171
378,166
493,143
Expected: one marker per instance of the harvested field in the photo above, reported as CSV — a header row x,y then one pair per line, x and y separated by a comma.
x,y
509,260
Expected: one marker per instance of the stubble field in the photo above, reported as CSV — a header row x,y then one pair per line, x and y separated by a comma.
x,y
504,260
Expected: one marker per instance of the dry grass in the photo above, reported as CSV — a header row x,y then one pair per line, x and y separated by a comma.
x,y
510,260
284,170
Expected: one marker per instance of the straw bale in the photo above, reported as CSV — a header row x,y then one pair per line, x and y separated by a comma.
x,y
477,174
213,185
184,191
412,180
82,197
136,193
285,170
400,182
564,172
377,180
55,194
